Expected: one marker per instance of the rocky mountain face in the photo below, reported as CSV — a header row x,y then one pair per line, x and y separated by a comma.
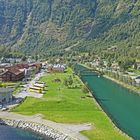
x,y
42,25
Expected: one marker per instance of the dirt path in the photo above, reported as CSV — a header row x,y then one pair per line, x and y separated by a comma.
x,y
69,129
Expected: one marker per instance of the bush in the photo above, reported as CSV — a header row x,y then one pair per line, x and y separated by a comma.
x,y
85,89
68,81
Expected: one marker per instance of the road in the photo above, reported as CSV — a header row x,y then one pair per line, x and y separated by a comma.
x,y
25,91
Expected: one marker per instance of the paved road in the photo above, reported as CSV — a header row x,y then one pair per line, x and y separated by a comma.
x,y
25,92
69,129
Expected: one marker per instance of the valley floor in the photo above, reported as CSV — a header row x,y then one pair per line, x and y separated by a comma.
x,y
63,104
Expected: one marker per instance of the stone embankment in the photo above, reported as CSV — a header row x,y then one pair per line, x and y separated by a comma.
x,y
35,127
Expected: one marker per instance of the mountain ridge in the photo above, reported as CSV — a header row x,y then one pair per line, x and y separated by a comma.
x,y
53,25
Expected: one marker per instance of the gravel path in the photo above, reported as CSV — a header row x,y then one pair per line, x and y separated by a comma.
x,y
69,129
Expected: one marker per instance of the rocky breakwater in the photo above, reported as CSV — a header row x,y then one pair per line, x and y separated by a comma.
x,y
39,128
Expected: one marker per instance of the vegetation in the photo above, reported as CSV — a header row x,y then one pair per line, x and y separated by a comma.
x,y
85,89
68,81
3,85
67,105
70,28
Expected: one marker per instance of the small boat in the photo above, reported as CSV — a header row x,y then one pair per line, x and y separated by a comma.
x,y
98,76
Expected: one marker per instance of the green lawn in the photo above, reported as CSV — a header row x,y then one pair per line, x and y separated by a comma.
x,y
65,105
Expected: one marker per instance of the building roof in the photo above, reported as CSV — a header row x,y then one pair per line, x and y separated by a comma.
x,y
15,71
35,65
6,90
138,77
22,66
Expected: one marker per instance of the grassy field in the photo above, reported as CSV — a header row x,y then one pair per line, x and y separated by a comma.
x,y
65,105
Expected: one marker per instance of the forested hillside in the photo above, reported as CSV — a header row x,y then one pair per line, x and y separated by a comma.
x,y
57,27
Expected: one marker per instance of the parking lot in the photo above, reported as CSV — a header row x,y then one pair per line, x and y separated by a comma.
x,y
25,88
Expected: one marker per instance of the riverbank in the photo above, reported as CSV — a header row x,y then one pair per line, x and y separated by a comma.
x,y
119,130
41,129
132,88
117,101
115,127
123,84
45,127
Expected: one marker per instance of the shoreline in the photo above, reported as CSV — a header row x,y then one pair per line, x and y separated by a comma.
x,y
40,129
59,131
131,88
100,107
30,131
98,104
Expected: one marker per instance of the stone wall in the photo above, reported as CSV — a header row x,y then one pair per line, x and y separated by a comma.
x,y
39,128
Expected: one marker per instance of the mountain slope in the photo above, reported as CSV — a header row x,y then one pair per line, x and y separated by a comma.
x,y
49,25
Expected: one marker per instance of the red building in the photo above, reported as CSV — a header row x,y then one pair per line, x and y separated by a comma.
x,y
36,67
18,71
22,66
56,68
12,74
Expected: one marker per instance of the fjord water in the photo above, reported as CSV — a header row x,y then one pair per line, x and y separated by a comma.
x,y
121,104
9,133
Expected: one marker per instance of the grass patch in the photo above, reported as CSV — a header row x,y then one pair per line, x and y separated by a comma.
x,y
66,105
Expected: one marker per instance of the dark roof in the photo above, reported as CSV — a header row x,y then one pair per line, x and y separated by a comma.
x,y
35,65
15,71
19,66
22,66
138,77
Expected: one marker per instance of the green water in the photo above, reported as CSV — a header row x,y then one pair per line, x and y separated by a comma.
x,y
122,105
